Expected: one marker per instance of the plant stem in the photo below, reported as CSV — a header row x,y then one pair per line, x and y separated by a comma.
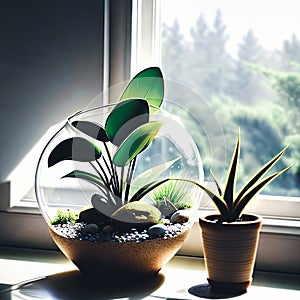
x,y
104,179
107,165
103,171
129,178
114,174
116,178
121,181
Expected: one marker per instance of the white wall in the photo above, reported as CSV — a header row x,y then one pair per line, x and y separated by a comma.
x,y
50,67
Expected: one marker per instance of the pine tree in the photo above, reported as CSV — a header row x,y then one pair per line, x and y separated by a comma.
x,y
173,51
218,58
198,64
247,86
199,34
290,52
211,66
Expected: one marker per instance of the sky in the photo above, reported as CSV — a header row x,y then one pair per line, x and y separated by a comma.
x,y
272,21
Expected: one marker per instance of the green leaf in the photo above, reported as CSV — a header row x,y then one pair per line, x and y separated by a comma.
x,y
143,191
240,205
125,118
216,182
92,129
219,202
259,174
137,142
87,177
231,177
148,84
77,148
152,173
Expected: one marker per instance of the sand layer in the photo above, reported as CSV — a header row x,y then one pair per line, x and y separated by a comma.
x,y
110,258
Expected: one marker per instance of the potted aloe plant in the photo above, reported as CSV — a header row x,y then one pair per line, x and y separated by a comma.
x,y
230,238
105,163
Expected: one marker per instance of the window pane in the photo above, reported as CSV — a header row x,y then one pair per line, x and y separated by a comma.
x,y
243,59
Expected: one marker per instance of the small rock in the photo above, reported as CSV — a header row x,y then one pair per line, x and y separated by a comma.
x,y
133,229
157,229
180,216
137,212
167,208
90,229
108,229
165,221
91,215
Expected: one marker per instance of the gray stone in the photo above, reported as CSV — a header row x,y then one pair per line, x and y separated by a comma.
x,y
90,228
157,229
180,216
108,229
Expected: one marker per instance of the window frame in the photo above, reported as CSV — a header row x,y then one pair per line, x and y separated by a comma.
x,y
146,49
278,233
121,43
25,216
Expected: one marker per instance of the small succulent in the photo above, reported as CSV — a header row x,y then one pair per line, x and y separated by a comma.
x,y
231,204
172,196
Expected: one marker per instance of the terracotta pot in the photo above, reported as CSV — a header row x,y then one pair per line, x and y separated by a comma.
x,y
111,259
230,251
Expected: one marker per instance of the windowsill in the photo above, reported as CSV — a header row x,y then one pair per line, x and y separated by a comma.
x,y
25,206
273,231
179,275
270,224
277,239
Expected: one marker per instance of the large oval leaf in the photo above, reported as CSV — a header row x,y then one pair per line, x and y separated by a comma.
x,y
76,148
125,118
137,142
148,84
92,129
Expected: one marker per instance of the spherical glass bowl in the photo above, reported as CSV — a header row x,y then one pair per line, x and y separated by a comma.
x,y
83,174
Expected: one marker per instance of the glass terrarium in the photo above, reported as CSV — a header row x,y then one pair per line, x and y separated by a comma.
x,y
121,174
67,179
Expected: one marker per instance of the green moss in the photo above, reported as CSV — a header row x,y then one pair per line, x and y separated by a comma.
x,y
63,217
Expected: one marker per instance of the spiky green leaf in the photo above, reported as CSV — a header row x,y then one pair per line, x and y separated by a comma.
x,y
216,182
259,174
143,191
152,173
231,177
241,204
218,201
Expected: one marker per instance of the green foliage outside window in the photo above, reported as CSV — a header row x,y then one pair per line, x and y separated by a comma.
x,y
257,91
